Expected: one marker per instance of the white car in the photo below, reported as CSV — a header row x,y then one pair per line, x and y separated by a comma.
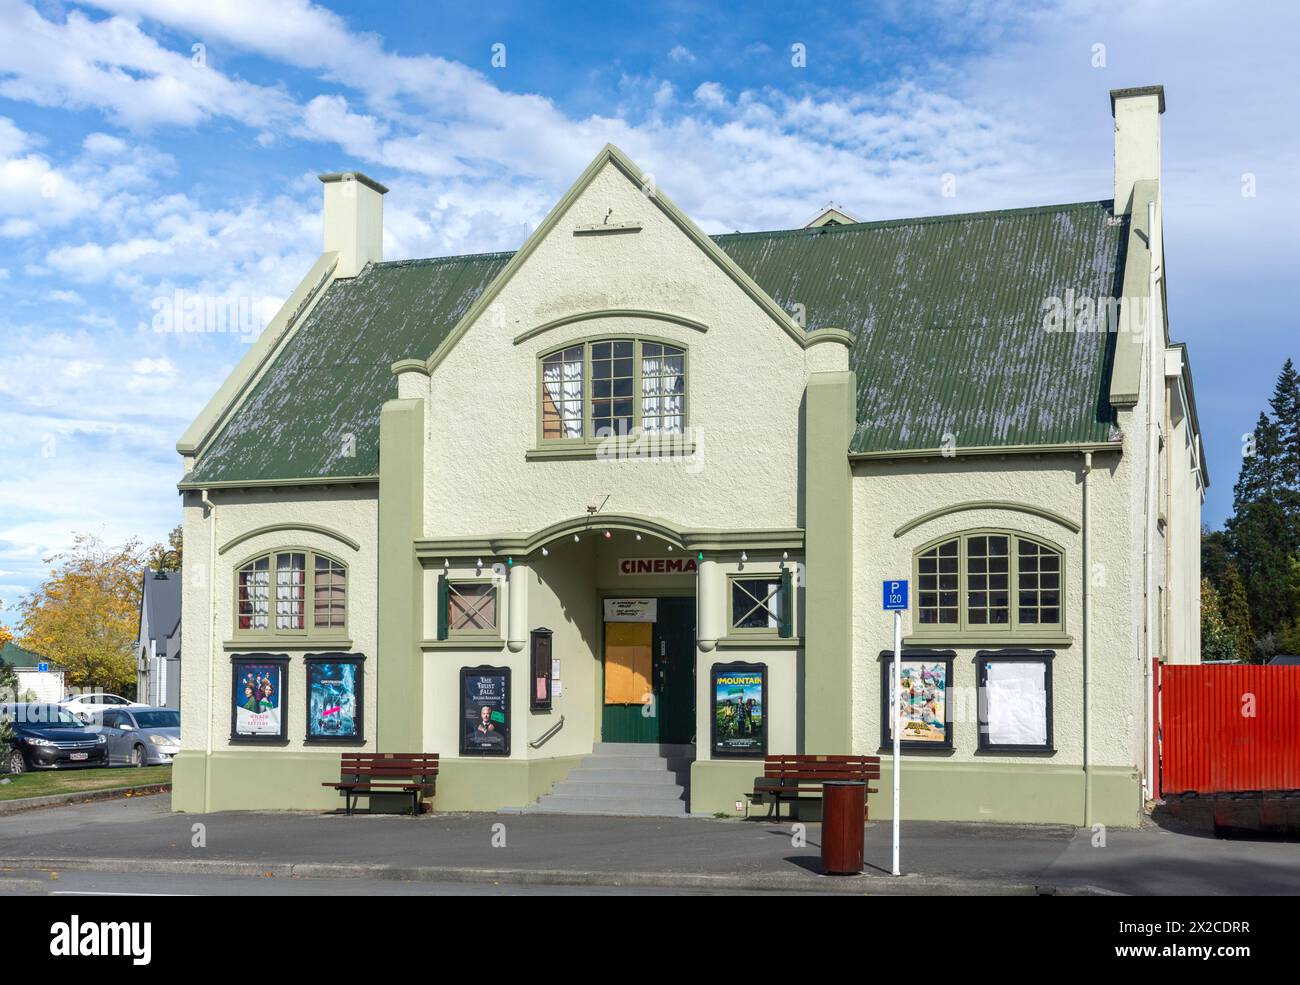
x,y
88,706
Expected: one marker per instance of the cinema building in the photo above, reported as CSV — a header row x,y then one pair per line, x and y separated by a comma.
x,y
631,491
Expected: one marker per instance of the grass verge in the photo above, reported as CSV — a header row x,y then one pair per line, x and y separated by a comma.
x,y
47,783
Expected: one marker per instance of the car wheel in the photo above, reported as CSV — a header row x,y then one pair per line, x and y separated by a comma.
x,y
17,762
137,756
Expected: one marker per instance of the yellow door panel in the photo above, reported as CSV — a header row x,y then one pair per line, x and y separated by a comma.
x,y
628,656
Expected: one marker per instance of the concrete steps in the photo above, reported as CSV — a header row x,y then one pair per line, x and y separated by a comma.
x,y
625,779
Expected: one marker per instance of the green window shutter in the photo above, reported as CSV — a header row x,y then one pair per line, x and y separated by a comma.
x,y
442,608
787,605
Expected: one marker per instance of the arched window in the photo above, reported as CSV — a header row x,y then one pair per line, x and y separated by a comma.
x,y
989,582
593,390
291,593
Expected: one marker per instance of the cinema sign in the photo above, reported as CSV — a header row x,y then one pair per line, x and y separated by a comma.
x,y
657,566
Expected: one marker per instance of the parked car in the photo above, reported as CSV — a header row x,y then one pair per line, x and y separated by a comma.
x,y
48,737
141,736
88,706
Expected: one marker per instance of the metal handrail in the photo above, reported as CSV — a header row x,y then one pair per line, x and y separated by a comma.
x,y
541,740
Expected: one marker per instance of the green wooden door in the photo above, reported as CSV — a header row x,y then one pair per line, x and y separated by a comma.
x,y
674,669
671,718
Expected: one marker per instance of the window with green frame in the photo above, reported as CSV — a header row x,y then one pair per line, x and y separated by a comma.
x,y
467,607
612,387
989,582
291,592
762,604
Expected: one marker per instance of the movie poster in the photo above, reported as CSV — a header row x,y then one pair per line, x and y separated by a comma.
x,y
923,701
739,709
485,711
258,699
334,684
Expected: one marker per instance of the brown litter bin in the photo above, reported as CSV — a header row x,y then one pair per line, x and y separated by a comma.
x,y
843,806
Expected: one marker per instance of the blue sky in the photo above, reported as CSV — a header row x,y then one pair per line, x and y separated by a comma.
x,y
134,164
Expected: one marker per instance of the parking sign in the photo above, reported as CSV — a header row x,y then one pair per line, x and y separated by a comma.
x,y
895,595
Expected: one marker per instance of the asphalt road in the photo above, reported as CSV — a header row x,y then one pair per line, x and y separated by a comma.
x,y
942,856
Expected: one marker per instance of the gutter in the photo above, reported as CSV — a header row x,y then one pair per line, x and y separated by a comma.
x,y
1072,448
328,480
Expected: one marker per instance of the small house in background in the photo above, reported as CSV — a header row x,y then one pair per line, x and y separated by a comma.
x,y
38,677
158,646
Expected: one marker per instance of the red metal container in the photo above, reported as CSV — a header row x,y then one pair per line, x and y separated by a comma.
x,y
1230,728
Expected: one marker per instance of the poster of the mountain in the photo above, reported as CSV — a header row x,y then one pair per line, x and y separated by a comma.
x,y
739,695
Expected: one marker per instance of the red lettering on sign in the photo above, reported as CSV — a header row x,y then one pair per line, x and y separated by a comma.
x,y
657,566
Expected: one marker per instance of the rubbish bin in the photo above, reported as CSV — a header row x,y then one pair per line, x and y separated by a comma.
x,y
844,804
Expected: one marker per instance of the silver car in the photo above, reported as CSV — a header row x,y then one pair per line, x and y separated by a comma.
x,y
142,736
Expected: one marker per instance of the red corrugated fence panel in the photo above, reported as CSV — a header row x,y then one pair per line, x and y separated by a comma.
x,y
1230,728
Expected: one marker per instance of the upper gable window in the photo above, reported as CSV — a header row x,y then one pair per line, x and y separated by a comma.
x,y
612,387
291,593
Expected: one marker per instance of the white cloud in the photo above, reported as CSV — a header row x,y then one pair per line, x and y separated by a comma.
x,y
104,145
682,54
328,119
12,140
710,94
113,66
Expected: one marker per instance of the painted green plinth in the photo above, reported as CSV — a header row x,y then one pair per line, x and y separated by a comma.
x,y
942,791
279,780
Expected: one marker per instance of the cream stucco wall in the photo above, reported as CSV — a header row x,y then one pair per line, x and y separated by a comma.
x,y
745,383
887,495
1185,496
348,511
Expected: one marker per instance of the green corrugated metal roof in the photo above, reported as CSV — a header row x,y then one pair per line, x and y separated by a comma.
x,y
947,311
948,316
336,372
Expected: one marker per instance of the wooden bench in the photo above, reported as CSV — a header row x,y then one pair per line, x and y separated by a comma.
x,y
787,777
364,773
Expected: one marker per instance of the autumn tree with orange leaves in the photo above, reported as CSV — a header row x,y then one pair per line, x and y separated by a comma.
x,y
86,614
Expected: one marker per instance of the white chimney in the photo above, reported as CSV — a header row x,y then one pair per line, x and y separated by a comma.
x,y
354,220
1137,139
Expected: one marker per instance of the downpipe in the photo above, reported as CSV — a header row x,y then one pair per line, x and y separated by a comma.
x,y
211,509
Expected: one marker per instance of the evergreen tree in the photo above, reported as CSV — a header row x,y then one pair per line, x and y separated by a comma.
x,y
1260,532
1235,613
1216,555
1285,404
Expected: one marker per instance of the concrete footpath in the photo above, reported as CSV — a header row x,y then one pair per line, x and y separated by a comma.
x,y
142,835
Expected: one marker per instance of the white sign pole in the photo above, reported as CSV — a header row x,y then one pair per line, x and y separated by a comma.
x,y
896,705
